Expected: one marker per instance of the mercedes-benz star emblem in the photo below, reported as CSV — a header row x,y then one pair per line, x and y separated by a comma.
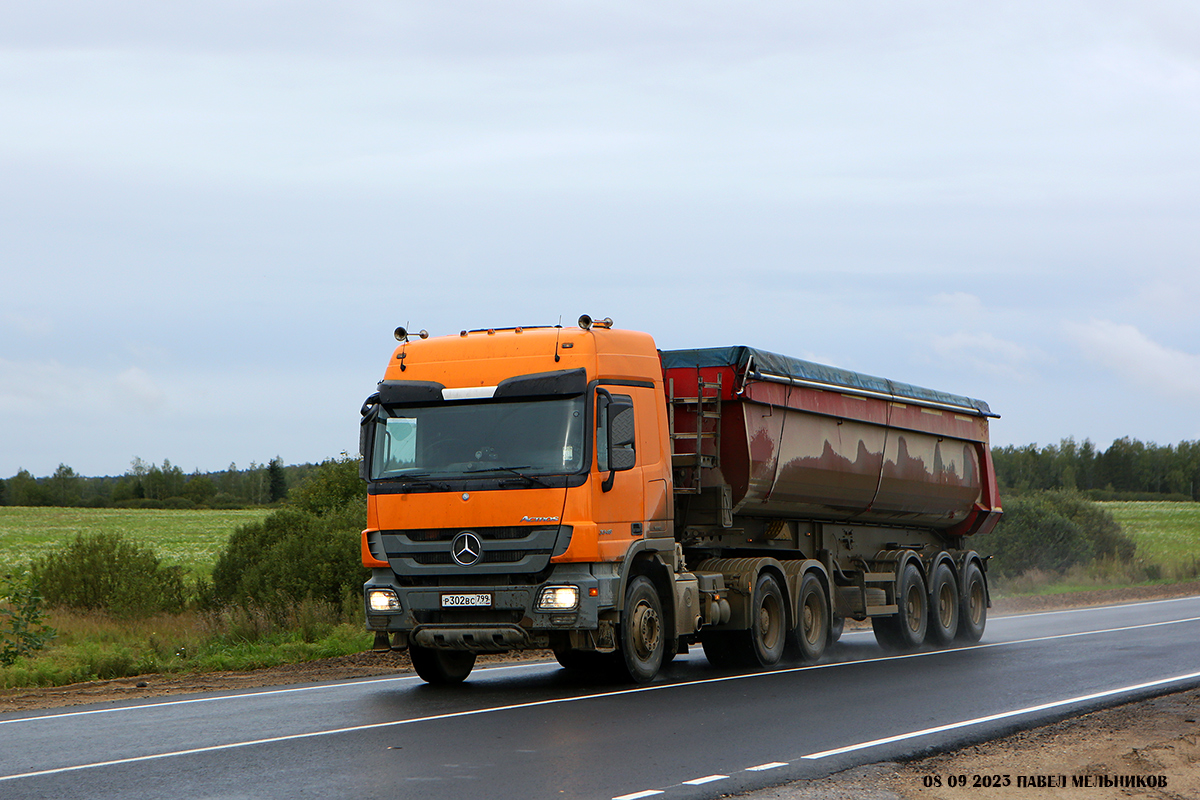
x,y
466,549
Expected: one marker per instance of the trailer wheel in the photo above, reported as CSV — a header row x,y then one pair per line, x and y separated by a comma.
x,y
943,606
972,614
441,667
642,634
768,622
811,634
905,630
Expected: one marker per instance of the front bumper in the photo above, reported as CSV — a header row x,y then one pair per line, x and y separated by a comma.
x,y
512,622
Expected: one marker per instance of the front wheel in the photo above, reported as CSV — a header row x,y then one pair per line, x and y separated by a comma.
x,y
441,667
642,631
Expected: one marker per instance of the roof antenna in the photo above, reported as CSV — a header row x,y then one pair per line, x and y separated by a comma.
x,y
557,357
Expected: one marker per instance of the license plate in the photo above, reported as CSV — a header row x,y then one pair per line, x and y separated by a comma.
x,y
482,600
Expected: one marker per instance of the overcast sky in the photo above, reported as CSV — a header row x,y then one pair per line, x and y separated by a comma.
x,y
212,215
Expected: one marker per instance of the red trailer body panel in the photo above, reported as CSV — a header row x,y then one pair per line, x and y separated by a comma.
x,y
839,446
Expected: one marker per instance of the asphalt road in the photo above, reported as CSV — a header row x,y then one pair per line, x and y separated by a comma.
x,y
533,731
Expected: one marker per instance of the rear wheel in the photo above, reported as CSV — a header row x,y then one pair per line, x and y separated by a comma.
x,y
972,616
768,622
943,606
642,631
441,667
905,630
812,632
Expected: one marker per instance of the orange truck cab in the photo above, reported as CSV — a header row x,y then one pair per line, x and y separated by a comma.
x,y
513,475
575,489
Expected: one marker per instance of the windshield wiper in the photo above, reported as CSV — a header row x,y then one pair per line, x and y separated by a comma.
x,y
513,470
419,479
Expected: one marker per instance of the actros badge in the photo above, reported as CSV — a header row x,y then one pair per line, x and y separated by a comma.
x,y
466,549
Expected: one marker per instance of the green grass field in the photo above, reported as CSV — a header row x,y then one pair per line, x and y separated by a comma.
x,y
1166,533
191,539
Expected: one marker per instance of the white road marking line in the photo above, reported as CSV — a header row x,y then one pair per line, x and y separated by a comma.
x,y
764,767
703,681
639,795
1003,715
576,698
1018,616
252,695
705,779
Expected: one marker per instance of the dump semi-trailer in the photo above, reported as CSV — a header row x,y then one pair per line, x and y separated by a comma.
x,y
576,489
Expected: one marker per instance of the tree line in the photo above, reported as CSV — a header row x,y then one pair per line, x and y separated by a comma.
x,y
149,485
1127,470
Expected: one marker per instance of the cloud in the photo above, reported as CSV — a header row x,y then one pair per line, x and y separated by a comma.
x,y
987,354
1127,352
960,302
42,387
135,386
27,325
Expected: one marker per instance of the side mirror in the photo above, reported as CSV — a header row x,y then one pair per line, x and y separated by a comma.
x,y
365,427
615,435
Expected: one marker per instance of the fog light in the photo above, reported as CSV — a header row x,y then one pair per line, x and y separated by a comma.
x,y
558,598
383,601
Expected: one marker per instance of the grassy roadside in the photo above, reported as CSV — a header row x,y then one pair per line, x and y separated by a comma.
x,y
191,539
98,646
1167,536
93,645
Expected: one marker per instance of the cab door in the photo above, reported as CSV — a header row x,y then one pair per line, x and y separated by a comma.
x,y
617,480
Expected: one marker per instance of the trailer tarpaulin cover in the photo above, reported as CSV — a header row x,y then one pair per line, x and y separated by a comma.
x,y
772,366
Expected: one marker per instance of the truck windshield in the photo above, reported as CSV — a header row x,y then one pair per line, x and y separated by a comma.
x,y
530,437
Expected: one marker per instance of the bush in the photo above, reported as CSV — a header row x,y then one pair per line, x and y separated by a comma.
x,y
179,503
1054,531
308,550
24,629
334,485
291,556
225,501
103,571
1096,523
1033,535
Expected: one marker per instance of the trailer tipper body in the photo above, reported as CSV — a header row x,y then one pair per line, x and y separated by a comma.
x,y
578,490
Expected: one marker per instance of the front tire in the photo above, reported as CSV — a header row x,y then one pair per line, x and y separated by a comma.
x,y
441,667
642,631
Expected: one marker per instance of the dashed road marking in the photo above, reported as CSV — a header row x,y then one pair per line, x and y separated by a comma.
x,y
705,779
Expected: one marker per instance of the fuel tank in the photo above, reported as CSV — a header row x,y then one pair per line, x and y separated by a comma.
x,y
800,440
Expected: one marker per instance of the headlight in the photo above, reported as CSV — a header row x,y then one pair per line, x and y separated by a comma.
x,y
558,598
383,601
